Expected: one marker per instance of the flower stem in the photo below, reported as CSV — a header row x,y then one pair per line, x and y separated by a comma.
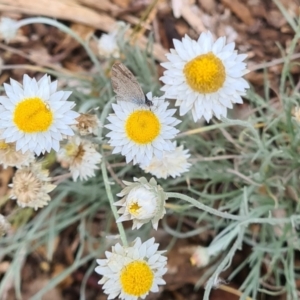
x,y
111,202
65,29
204,207
105,177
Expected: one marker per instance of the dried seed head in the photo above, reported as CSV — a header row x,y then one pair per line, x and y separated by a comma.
x,y
80,156
87,124
31,186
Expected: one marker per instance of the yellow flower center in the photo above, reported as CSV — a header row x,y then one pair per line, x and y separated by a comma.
x,y
134,208
142,126
33,115
205,73
136,278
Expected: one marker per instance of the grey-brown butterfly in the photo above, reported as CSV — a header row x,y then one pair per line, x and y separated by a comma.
x,y
126,86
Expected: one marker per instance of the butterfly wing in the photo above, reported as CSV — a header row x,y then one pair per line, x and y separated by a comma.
x,y
125,85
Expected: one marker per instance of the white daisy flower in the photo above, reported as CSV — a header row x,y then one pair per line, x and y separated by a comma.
x,y
132,272
173,163
204,76
139,133
80,156
35,115
31,185
142,202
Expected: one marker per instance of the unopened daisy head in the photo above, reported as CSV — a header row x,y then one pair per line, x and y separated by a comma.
x,y
80,156
200,257
31,185
132,272
9,157
173,163
139,133
108,46
142,202
204,76
8,28
35,115
108,43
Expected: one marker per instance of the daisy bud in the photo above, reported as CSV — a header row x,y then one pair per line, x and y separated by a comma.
x,y
8,28
142,202
200,257
108,43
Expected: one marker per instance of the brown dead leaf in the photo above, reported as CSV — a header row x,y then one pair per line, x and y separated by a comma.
x,y
71,10
180,271
5,177
292,193
269,34
219,294
74,67
122,3
275,18
68,44
60,9
39,53
208,5
58,268
240,10
3,78
4,266
103,5
258,78
38,284
192,16
42,252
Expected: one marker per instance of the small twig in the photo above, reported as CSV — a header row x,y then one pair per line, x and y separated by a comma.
x,y
113,175
232,291
273,63
272,287
230,139
247,179
60,178
219,157
118,165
